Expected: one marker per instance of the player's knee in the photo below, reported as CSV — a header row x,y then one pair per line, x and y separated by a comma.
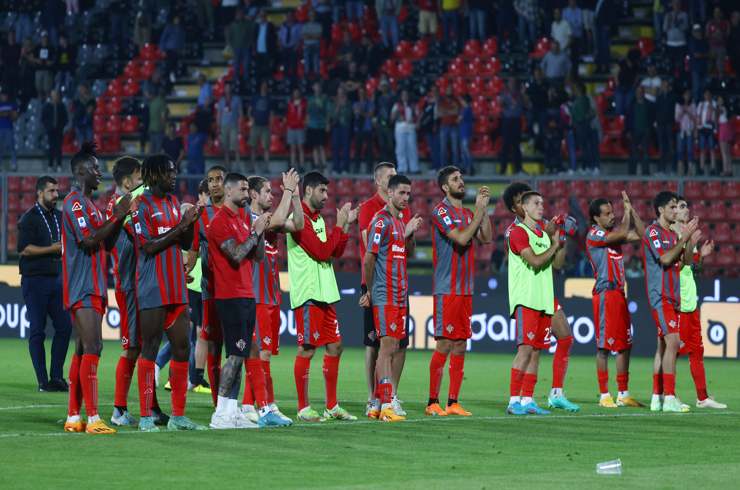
x,y
132,353
459,348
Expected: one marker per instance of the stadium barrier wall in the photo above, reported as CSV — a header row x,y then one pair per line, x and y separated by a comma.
x,y
493,329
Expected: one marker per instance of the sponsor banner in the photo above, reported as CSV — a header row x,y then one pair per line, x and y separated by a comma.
x,y
492,329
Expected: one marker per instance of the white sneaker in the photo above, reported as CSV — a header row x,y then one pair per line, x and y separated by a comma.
x,y
156,375
710,403
122,418
250,413
274,409
396,404
243,421
223,421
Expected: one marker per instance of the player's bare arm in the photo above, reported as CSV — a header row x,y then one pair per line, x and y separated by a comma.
x,y
463,236
674,254
621,235
541,260
638,226
108,233
485,231
290,188
411,228
178,235
35,250
298,220
369,266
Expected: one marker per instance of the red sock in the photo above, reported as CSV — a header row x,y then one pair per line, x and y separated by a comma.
x,y
124,372
179,383
657,384
376,392
146,386
268,381
89,383
696,364
213,364
669,384
457,369
248,398
386,390
515,385
300,372
257,379
623,381
75,390
331,373
436,366
603,377
560,361
528,382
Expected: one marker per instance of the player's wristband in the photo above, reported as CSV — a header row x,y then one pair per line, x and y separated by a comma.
x,y
292,191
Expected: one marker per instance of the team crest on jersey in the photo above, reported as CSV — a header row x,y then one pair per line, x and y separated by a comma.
x,y
393,327
241,344
81,222
77,206
600,233
653,232
316,335
672,324
442,211
267,340
610,341
450,328
379,224
530,335
137,228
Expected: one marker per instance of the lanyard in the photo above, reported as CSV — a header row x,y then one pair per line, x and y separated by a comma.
x,y
56,222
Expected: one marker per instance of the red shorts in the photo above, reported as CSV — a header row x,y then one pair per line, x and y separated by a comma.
x,y
317,324
557,306
452,317
666,319
173,312
390,321
129,312
211,329
97,303
612,321
690,332
267,329
532,327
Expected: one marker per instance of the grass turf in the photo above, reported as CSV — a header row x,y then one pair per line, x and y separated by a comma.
x,y
485,451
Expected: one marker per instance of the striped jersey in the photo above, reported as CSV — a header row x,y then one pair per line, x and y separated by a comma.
x,y
663,283
200,243
84,272
386,241
123,255
454,266
266,272
606,260
160,279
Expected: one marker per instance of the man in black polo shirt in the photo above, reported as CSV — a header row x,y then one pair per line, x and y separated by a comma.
x,y
40,249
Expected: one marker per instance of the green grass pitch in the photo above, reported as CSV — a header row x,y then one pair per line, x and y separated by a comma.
x,y
489,450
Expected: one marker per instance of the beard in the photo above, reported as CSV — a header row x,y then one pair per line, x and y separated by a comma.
x,y
457,194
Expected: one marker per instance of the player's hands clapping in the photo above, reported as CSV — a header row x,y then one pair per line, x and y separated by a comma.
x,y
627,203
689,228
291,180
261,223
707,248
123,206
343,214
353,214
191,215
483,197
413,225
366,300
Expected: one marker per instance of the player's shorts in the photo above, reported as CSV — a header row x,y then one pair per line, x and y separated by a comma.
x,y
267,328
239,316
532,327
128,308
317,324
690,332
211,326
97,303
390,321
612,321
173,312
370,338
452,317
666,319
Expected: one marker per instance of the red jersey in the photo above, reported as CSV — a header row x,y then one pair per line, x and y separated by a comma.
x,y
368,210
200,243
606,260
662,282
296,115
387,242
229,281
266,272
454,266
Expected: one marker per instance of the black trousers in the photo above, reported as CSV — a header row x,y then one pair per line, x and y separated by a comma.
x,y
55,148
511,136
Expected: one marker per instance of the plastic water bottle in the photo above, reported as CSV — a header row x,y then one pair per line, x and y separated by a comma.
x,y
613,467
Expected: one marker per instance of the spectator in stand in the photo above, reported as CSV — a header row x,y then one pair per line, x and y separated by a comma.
x,y
676,28
429,127
733,42
555,64
158,114
204,117
639,124
196,158
324,13
172,42
317,126
699,63
605,16
205,90
73,7
340,121
52,18
240,36
718,32
355,10
651,83
574,16
172,146
427,18
536,104
665,106
265,46
560,30
566,122
448,114
296,134
66,64
230,120
311,32
352,82
8,115
289,40
26,73
369,54
117,14
23,24
11,57
251,8
142,30
388,11
84,110
54,119
512,108
228,9
707,116
527,11
686,119
204,16
404,117
44,60
450,13
260,116
626,82
477,10
364,112
384,101
466,135
583,114
725,135
659,9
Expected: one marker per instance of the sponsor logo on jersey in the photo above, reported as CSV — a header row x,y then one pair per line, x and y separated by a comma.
x,y
241,344
600,233
398,249
447,220
656,243
376,238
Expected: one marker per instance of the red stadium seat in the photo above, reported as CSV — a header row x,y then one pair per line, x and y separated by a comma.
x,y
731,190
722,233
716,211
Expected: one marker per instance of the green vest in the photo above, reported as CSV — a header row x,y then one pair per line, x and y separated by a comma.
x,y
688,290
134,194
310,280
529,287
197,275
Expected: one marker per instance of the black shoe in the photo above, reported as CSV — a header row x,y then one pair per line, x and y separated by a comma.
x,y
43,388
160,418
59,385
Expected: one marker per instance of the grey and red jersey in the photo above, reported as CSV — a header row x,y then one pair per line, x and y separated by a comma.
x,y
123,255
662,282
386,240
606,260
84,271
200,243
266,272
454,265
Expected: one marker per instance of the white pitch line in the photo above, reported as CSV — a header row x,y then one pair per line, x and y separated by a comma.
x,y
31,407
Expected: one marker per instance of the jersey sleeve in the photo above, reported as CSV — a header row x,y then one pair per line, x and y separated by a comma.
x,y
378,235
217,233
141,221
79,218
109,207
196,234
654,242
518,240
364,218
442,220
596,238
